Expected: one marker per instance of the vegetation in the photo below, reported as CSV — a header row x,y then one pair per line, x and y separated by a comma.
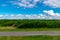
x,y
31,23
27,29
29,37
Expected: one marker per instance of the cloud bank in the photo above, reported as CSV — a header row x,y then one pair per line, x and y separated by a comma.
x,y
52,3
25,3
48,14
32,3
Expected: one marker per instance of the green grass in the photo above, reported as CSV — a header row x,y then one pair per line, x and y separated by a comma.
x,y
29,37
30,29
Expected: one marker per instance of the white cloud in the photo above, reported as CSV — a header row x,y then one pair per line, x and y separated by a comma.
x,y
12,15
53,3
32,3
25,3
51,14
31,16
20,16
48,14
1,15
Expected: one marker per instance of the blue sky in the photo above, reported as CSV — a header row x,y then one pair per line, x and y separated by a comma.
x,y
29,9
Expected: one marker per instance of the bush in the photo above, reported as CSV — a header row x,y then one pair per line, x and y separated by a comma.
x,y
31,23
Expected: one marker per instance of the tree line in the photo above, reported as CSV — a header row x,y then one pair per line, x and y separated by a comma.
x,y
31,23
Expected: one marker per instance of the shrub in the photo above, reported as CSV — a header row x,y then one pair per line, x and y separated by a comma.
x,y
32,25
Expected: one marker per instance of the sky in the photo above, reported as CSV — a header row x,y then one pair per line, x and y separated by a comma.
x,y
29,9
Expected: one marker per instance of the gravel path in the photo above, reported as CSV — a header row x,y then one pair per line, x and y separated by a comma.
x,y
30,33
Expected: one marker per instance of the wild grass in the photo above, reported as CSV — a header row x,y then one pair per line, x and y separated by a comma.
x,y
30,37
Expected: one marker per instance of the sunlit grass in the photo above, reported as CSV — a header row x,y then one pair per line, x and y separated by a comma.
x,y
8,27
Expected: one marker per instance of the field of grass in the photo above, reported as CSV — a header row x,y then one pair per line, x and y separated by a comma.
x,y
8,27
29,37
27,29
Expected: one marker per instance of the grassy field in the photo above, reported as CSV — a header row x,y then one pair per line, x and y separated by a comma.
x,y
30,38
28,29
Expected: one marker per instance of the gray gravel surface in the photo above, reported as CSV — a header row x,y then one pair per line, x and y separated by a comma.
x,y
30,33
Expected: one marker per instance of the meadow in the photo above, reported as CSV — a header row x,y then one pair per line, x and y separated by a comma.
x,y
41,37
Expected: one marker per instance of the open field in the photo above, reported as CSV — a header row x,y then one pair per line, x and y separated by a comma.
x,y
8,27
27,29
29,37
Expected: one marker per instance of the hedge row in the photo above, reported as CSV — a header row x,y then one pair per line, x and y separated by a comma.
x,y
31,23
